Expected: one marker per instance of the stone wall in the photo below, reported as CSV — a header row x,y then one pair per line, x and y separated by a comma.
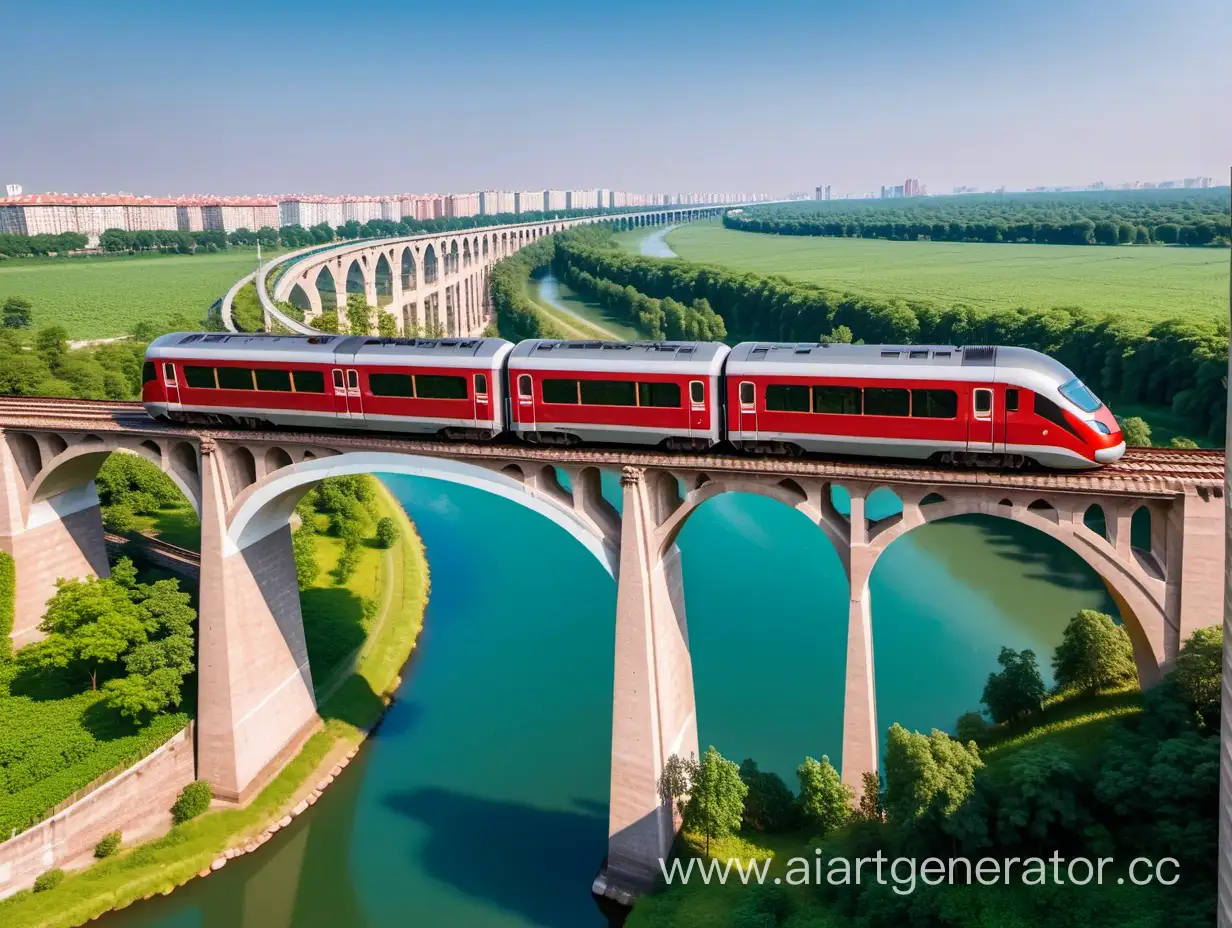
x,y
137,803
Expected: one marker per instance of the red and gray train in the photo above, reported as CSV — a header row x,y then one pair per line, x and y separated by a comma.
x,y
973,405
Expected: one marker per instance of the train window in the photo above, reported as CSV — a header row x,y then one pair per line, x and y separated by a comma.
x,y
747,393
934,404
524,385
782,397
391,385
353,380
1047,409
199,377
886,401
837,400
338,382
559,391
1011,401
666,395
982,402
918,353
269,379
235,378
697,392
481,384
1077,393
440,387
148,373
169,372
610,393
309,381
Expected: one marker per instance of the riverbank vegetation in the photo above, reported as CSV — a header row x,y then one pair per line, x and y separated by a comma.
x,y
1177,364
352,705
1120,217
1093,769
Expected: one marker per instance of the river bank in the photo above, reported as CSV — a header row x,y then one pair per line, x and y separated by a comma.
x,y
196,848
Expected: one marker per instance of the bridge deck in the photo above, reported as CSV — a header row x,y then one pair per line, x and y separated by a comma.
x,y
1142,471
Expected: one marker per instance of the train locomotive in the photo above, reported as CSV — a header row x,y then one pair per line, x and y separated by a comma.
x,y
969,405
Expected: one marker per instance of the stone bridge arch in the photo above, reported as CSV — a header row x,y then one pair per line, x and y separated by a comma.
x,y
1139,595
266,505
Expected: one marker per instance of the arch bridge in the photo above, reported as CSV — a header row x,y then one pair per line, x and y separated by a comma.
x,y
430,282
256,702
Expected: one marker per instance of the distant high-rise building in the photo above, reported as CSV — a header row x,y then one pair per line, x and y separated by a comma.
x,y
822,193
13,190
554,200
1193,182
911,188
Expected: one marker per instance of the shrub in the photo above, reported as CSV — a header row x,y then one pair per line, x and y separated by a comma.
x,y
193,800
769,804
303,547
1136,432
109,845
48,880
347,562
386,532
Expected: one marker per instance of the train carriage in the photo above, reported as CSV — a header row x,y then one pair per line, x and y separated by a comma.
x,y
633,393
453,387
972,405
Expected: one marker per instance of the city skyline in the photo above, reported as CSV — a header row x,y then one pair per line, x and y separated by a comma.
x,y
306,97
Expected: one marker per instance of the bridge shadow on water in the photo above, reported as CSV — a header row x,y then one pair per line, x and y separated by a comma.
x,y
509,855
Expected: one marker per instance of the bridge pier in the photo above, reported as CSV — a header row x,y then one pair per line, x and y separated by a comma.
x,y
653,710
861,738
255,701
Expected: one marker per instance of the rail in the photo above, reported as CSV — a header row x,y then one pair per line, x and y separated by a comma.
x,y
1142,471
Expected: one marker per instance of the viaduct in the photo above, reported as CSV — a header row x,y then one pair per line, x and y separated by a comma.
x,y
255,699
433,282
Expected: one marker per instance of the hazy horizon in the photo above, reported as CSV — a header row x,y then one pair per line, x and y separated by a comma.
x,y
715,96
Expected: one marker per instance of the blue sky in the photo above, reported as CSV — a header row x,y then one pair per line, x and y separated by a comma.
x,y
689,95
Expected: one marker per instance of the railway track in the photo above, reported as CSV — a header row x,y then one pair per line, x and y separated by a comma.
x,y
1146,469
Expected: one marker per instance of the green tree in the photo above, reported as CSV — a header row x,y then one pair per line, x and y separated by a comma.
x,y
971,726
386,532
870,808
927,775
1094,652
328,322
359,314
156,667
386,325
675,780
90,624
1136,432
1017,689
769,805
1198,668
1040,797
716,798
303,547
16,313
51,344
825,801
841,335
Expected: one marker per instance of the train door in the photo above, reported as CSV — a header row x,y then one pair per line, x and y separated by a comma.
x,y
980,421
1008,406
170,385
748,410
483,402
699,421
526,402
348,404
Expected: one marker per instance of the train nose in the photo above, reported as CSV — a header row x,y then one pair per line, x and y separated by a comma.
x,y
1108,455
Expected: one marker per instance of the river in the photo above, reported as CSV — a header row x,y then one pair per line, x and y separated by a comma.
x,y
481,800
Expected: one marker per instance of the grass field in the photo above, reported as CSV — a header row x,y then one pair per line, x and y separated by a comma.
x,y
103,296
1150,282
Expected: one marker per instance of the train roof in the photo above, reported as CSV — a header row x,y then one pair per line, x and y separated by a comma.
x,y
806,356
322,349
650,357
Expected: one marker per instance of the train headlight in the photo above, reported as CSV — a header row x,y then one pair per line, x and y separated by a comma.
x,y
1100,427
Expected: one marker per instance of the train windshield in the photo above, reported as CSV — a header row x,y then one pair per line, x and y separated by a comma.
x,y
1077,393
